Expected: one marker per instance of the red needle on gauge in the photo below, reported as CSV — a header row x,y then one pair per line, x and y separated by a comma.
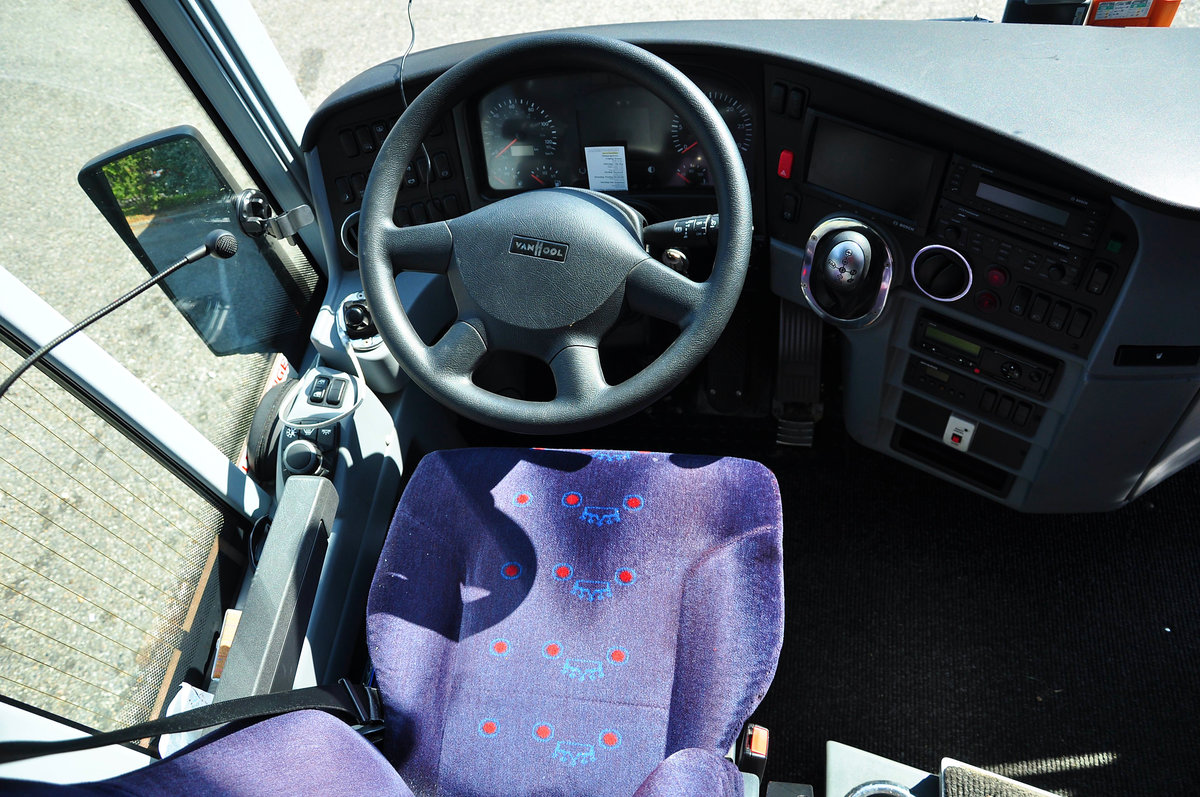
x,y
685,149
506,146
679,174
535,177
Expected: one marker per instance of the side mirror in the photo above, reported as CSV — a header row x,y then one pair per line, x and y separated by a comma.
x,y
162,194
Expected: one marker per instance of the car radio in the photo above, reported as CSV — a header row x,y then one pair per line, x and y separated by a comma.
x,y
981,354
1022,206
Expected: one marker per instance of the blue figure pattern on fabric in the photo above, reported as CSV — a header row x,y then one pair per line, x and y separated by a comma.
x,y
583,669
596,515
592,590
574,753
612,456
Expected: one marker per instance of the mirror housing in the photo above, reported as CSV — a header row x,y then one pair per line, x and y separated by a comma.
x,y
162,194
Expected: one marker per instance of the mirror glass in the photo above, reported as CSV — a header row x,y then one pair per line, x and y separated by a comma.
x,y
163,194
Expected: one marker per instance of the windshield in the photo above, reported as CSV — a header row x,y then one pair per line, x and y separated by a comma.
x,y
327,49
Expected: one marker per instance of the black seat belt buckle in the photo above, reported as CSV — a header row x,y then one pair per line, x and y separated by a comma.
x,y
366,702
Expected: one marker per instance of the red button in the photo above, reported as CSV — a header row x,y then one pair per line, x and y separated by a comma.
x,y
987,301
996,277
785,164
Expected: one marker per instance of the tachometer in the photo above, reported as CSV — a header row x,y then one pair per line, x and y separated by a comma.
x,y
691,169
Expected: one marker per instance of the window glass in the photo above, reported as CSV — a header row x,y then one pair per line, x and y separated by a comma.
x,y
102,554
81,79
325,44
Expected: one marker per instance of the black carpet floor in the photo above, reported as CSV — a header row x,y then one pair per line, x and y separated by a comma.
x,y
924,621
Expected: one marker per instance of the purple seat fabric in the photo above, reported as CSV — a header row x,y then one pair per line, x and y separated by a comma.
x,y
559,622
306,752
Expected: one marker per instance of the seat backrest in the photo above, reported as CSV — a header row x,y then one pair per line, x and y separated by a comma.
x,y
560,622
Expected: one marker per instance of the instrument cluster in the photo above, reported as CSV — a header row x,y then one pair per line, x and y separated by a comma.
x,y
601,132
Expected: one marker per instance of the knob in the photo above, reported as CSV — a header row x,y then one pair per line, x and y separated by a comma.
x,y
845,264
356,316
302,456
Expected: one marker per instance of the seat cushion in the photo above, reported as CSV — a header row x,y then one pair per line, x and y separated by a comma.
x,y
306,752
560,622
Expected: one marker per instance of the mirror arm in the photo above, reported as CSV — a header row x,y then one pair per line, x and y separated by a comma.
x,y
257,218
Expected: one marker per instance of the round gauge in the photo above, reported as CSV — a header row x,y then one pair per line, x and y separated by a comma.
x,y
692,169
518,128
519,175
545,175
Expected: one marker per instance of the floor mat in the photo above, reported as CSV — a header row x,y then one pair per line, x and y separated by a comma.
x,y
923,621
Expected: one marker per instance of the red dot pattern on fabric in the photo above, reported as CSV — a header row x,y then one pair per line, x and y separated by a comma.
x,y
633,502
511,571
617,655
562,571
625,576
609,738
572,499
523,498
489,727
500,647
553,649
543,731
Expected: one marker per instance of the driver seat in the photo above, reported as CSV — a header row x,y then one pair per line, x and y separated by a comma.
x,y
541,622
562,622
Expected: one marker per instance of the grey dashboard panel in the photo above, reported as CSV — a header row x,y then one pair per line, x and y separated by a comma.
x,y
1065,113
1081,95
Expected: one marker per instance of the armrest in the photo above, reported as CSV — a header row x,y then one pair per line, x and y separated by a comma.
x,y
266,647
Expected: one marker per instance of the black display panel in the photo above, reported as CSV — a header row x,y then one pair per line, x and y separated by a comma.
x,y
870,169
1022,204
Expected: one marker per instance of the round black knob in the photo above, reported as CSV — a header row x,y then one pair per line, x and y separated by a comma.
x,y
356,316
302,456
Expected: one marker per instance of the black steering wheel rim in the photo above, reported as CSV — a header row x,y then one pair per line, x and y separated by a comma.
x,y
443,370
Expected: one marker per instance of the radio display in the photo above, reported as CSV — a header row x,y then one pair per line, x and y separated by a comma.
x,y
941,336
1022,204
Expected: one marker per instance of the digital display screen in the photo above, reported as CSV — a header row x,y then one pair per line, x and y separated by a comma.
x,y
867,168
1022,204
941,336
937,374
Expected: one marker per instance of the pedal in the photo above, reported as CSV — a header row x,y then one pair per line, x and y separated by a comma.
x,y
796,404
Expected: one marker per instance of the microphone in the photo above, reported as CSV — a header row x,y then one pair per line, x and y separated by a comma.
x,y
218,243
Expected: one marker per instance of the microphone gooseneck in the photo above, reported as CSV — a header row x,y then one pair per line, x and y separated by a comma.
x,y
221,244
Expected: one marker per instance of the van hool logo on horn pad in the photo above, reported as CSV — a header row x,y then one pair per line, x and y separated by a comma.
x,y
536,247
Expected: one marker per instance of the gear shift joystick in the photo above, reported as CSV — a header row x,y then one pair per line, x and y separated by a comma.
x,y
847,272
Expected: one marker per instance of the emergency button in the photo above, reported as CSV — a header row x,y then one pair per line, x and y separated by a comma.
x,y
784,169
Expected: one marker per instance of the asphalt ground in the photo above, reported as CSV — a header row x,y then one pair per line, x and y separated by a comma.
x,y
77,79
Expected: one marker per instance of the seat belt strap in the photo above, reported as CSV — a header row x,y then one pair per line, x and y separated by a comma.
x,y
353,702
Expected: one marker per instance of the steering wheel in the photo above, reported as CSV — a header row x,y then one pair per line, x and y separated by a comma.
x,y
545,273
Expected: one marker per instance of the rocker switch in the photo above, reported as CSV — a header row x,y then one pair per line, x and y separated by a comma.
x,y
316,394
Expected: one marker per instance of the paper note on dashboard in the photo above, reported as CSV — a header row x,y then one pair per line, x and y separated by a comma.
x,y
606,168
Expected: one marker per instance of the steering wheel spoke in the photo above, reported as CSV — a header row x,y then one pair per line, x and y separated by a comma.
x,y
458,352
578,374
659,291
424,247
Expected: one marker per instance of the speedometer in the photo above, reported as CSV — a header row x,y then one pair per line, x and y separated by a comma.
x,y
518,128
691,169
